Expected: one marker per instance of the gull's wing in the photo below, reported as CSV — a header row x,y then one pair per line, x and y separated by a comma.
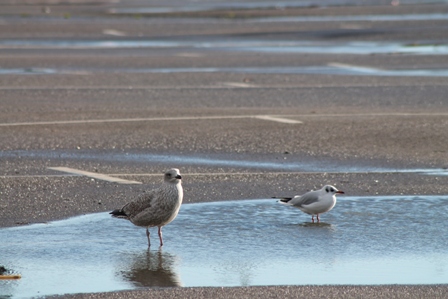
x,y
305,199
135,207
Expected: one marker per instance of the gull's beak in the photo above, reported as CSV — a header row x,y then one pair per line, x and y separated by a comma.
x,y
178,177
340,192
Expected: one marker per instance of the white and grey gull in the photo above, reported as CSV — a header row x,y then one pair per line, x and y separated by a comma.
x,y
314,202
156,207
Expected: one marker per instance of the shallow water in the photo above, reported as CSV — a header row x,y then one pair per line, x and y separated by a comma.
x,y
197,6
363,240
347,70
349,18
273,163
238,45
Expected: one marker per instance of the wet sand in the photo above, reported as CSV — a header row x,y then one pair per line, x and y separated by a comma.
x,y
436,291
368,121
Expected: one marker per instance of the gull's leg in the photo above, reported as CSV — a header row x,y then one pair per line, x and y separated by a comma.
x,y
147,235
312,218
318,220
160,236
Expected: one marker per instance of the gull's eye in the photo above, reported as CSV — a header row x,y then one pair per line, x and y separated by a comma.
x,y
326,189
332,190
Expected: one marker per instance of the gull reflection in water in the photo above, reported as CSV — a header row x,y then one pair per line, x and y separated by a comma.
x,y
151,269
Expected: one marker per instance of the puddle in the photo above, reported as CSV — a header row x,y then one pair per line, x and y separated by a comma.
x,y
269,46
31,71
279,163
357,48
217,5
274,19
363,240
89,44
331,70
194,6
361,18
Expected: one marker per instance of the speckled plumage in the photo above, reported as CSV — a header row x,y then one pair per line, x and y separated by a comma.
x,y
157,207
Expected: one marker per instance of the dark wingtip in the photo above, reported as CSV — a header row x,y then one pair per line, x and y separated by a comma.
x,y
285,199
117,213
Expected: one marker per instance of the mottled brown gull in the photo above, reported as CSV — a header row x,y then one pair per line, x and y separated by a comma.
x,y
314,202
157,207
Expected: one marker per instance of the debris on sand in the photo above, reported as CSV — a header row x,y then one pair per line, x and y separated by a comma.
x,y
5,274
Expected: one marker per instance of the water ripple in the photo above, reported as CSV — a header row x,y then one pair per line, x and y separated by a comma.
x,y
363,240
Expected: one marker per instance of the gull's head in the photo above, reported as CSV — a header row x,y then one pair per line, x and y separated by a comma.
x,y
172,176
328,189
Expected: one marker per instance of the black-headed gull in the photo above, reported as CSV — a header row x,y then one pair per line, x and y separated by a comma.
x,y
157,207
314,202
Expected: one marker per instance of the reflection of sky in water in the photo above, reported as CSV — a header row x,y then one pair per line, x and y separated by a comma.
x,y
196,6
333,69
370,18
238,45
367,240
270,46
241,162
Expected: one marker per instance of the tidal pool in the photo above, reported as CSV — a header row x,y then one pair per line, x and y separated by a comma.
x,y
265,163
241,45
363,240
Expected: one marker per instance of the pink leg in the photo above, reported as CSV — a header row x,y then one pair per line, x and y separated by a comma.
x,y
147,235
160,236
318,220
312,218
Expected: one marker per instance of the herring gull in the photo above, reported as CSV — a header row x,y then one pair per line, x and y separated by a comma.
x,y
156,207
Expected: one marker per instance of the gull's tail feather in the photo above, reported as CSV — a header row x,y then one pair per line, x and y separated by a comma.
x,y
283,200
118,213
